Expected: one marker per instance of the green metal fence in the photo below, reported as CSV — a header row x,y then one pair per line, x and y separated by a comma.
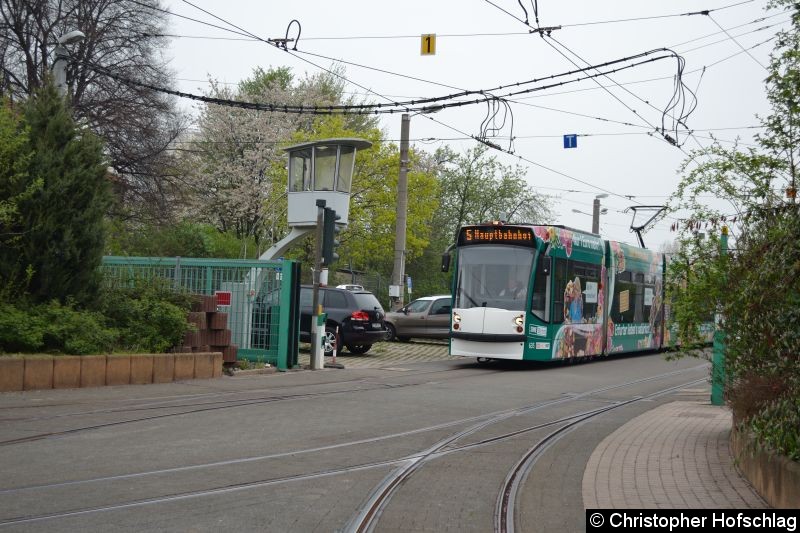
x,y
260,297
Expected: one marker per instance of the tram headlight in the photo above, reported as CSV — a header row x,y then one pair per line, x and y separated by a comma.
x,y
456,318
519,320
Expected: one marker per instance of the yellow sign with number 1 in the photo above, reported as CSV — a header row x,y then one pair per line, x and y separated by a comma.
x,y
428,44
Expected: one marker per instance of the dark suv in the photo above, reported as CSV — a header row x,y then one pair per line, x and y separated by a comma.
x,y
357,314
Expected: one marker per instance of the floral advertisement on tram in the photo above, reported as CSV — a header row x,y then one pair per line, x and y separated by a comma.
x,y
635,320
579,291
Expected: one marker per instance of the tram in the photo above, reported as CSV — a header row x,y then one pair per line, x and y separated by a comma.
x,y
543,293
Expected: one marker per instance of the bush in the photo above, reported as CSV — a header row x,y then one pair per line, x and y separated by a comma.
x,y
149,316
53,328
70,331
749,395
19,330
777,427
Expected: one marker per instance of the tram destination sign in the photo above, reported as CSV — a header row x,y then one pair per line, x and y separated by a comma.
x,y
496,235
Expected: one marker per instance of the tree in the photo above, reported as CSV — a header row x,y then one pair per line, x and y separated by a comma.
x,y
62,222
123,39
755,288
237,165
475,188
15,188
184,238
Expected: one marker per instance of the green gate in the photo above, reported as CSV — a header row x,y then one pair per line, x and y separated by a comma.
x,y
260,297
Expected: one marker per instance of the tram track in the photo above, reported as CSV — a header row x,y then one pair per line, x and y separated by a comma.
x,y
157,402
493,417
405,466
208,406
505,507
366,518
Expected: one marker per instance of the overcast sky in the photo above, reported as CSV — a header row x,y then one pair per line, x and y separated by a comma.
x,y
479,46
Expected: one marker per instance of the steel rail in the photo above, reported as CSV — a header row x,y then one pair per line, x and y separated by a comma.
x,y
410,463
365,519
506,501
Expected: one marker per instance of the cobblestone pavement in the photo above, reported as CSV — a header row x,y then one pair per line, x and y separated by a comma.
x,y
675,456
383,354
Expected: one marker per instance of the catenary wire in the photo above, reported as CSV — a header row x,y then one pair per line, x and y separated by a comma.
x,y
390,37
737,42
366,89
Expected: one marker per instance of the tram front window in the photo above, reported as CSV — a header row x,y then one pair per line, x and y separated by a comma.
x,y
489,276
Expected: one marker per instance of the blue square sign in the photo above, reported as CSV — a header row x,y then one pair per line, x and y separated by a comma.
x,y
571,140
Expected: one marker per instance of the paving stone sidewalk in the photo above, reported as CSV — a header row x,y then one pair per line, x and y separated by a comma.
x,y
675,456
384,354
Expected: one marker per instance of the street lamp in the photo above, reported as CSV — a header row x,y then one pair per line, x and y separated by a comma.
x,y
595,217
62,55
596,212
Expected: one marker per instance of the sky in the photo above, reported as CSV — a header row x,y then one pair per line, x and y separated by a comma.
x,y
486,45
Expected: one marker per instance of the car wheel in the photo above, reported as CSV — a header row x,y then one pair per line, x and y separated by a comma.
x,y
330,341
358,348
390,332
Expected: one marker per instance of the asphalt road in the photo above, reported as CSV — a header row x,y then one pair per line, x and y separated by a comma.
x,y
410,445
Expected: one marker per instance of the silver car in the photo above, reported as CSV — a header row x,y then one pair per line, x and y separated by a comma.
x,y
428,316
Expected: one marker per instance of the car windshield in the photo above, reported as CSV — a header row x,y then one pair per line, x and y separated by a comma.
x,y
367,301
493,276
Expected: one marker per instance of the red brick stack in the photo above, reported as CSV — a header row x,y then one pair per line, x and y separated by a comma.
x,y
212,333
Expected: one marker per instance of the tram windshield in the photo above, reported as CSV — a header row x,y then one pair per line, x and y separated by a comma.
x,y
493,276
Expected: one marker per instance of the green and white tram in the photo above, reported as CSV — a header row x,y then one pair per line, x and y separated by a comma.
x,y
541,293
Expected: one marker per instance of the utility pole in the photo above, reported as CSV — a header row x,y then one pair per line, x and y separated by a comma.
x,y
402,211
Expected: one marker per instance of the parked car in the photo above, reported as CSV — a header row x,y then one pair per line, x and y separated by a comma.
x,y
358,315
428,316
350,287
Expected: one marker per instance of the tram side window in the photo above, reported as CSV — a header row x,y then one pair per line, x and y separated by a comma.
x,y
634,294
624,307
648,297
575,291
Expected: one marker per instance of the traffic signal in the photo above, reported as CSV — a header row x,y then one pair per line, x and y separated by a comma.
x,y
329,241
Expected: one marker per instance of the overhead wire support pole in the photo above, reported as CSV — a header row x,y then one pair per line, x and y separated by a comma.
x,y
718,376
402,211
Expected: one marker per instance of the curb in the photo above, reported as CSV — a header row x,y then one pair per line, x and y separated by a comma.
x,y
40,372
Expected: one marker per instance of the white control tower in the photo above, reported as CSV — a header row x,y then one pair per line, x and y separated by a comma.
x,y
318,170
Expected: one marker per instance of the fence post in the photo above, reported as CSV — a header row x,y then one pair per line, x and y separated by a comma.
x,y
209,280
285,316
176,283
